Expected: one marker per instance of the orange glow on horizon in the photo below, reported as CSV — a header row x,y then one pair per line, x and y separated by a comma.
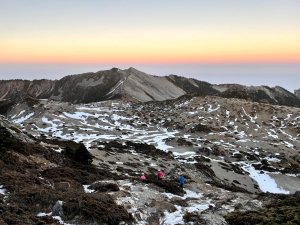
x,y
183,58
144,32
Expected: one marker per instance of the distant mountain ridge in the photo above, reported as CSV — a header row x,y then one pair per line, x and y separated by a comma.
x,y
137,86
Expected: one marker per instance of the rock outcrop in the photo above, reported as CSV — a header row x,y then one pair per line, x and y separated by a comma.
x,y
297,93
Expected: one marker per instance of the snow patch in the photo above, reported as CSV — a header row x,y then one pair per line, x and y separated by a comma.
x,y
264,181
2,190
87,190
58,218
24,118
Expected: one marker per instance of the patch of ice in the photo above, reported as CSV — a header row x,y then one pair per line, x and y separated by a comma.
x,y
211,109
199,207
292,175
14,116
192,113
177,216
289,136
252,119
183,153
272,135
115,87
98,109
43,214
264,181
158,139
116,117
58,218
272,159
53,126
2,190
191,194
288,116
77,115
87,190
244,140
289,145
24,118
61,116
174,217
59,150
188,194
227,114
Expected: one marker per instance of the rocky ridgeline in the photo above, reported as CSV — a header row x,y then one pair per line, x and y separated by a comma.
x,y
131,84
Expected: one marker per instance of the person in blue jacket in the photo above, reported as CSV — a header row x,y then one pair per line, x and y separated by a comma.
x,y
181,181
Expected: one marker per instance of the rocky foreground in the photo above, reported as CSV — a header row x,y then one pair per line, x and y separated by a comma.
x,y
240,161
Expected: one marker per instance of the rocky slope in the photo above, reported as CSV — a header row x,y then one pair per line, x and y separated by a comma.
x,y
93,87
264,94
297,93
12,89
39,181
232,152
134,85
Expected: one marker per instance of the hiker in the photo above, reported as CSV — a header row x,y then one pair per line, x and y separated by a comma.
x,y
159,175
172,172
143,178
181,181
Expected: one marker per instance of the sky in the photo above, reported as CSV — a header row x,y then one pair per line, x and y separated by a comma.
x,y
215,40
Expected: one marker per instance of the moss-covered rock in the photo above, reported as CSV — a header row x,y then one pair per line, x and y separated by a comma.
x,y
281,210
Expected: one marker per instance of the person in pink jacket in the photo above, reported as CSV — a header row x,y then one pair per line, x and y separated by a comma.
x,y
143,178
159,175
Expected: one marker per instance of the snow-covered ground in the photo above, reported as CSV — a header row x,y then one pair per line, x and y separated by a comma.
x,y
142,195
197,205
236,129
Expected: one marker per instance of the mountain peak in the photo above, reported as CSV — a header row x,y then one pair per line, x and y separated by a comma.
x,y
133,70
137,85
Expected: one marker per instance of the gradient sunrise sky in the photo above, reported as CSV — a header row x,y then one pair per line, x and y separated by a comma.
x,y
43,37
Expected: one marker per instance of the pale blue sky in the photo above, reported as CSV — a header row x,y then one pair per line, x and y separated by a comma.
x,y
33,17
